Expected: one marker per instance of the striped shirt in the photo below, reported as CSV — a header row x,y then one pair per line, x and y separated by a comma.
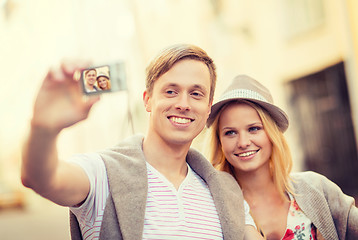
x,y
186,213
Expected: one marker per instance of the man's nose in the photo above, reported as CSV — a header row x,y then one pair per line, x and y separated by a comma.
x,y
183,102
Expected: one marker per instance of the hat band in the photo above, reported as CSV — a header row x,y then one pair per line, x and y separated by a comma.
x,y
242,93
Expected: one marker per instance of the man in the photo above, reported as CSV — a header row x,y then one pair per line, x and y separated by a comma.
x,y
145,187
90,80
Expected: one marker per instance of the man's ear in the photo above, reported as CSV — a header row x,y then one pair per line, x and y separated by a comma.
x,y
210,104
147,101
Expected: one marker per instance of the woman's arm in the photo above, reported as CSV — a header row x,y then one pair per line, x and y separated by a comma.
x,y
343,209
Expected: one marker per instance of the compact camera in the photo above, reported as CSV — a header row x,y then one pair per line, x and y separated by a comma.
x,y
104,78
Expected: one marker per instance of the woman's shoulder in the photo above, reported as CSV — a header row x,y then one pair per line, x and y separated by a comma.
x,y
313,180
307,176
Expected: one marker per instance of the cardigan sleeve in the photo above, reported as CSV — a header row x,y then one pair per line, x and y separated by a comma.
x,y
352,232
343,209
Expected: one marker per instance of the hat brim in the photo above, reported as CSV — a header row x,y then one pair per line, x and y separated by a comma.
x,y
276,113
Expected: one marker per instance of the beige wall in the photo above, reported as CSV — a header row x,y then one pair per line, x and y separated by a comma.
x,y
261,39
351,10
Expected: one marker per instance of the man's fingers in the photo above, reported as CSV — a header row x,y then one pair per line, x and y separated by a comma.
x,y
55,74
77,75
70,67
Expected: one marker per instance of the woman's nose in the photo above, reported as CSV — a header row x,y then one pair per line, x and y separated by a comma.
x,y
243,140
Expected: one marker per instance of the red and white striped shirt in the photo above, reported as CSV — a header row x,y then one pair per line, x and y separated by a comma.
x,y
186,213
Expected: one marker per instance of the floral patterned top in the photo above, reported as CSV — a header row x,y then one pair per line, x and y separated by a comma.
x,y
299,227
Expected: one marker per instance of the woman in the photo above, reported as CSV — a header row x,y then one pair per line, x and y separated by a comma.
x,y
247,141
103,82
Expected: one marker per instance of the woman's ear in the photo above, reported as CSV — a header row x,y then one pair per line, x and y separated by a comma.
x,y
147,101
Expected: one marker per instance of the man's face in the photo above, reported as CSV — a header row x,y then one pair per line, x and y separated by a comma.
x,y
179,104
91,78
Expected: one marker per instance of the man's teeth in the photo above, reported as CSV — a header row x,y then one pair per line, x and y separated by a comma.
x,y
180,120
246,154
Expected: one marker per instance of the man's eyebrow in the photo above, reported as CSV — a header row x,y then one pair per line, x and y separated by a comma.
x,y
200,87
195,86
171,85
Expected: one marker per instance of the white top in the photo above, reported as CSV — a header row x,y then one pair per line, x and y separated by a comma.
x,y
90,213
186,213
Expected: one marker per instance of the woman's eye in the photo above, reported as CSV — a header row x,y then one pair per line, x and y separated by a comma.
x,y
254,129
229,133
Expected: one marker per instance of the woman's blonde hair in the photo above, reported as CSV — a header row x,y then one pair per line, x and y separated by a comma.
x,y
280,160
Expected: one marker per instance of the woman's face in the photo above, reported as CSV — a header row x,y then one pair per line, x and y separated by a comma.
x,y
102,82
243,138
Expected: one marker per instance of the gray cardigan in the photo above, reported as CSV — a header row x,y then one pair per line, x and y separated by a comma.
x,y
331,211
125,207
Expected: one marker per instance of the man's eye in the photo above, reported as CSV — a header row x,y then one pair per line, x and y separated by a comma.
x,y
197,94
170,92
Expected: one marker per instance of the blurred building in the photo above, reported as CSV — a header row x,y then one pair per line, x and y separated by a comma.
x,y
305,51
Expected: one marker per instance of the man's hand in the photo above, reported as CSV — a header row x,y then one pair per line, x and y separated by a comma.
x,y
60,102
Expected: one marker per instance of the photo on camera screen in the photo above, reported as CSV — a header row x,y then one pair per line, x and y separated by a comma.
x,y
104,78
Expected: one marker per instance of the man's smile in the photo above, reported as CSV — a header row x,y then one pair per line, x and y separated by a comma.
x,y
180,120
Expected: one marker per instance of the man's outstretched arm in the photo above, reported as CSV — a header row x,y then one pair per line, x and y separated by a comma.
x,y
59,104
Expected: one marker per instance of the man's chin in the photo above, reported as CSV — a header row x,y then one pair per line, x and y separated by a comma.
x,y
181,140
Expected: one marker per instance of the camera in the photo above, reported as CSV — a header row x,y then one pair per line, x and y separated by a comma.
x,y
104,78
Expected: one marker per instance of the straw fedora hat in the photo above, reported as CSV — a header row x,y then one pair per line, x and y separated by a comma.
x,y
102,75
246,88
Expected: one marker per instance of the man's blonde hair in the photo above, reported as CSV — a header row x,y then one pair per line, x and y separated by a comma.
x,y
171,55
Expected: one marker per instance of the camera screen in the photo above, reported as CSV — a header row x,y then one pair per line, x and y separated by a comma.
x,y
104,78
